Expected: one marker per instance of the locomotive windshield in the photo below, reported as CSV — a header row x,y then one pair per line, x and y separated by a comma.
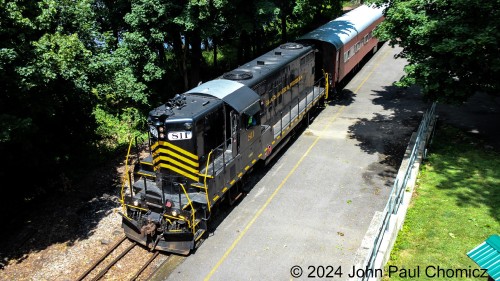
x,y
210,132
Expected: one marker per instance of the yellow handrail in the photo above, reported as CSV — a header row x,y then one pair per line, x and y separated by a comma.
x,y
205,179
125,180
193,211
206,168
326,84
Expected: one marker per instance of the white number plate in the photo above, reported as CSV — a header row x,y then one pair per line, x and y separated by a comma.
x,y
186,135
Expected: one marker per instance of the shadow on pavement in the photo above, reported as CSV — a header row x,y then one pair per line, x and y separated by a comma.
x,y
478,125
388,134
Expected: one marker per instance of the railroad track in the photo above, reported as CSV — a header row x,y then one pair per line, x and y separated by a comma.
x,y
124,252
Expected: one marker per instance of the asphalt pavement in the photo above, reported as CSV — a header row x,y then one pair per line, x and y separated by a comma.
x,y
312,206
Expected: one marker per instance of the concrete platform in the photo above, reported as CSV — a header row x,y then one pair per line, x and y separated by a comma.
x,y
313,206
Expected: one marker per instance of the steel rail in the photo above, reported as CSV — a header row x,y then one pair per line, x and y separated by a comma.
x,y
151,259
106,269
96,263
158,268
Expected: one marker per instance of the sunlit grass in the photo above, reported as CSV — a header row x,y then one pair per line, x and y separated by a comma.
x,y
348,3
456,206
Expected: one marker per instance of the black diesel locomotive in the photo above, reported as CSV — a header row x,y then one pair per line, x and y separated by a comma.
x,y
204,141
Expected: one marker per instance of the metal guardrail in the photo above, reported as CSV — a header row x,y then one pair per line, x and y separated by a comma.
x,y
397,192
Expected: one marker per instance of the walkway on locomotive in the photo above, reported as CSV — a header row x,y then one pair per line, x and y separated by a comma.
x,y
240,96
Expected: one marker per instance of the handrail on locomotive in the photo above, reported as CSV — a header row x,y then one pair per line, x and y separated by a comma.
x,y
126,179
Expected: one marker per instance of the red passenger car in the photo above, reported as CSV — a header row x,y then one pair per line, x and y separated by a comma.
x,y
342,43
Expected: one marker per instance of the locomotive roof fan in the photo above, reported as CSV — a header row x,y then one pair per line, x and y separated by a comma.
x,y
238,75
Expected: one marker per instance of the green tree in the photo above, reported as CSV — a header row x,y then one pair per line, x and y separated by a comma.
x,y
110,17
296,17
68,88
313,13
251,27
44,61
451,46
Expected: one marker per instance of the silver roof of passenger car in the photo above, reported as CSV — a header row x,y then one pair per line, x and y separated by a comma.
x,y
341,30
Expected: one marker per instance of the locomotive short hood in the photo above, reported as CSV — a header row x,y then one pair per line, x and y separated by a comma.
x,y
238,96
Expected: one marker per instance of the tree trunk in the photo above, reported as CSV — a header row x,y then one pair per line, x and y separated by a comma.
x,y
196,57
185,49
180,55
214,42
207,44
163,65
283,26
239,55
161,56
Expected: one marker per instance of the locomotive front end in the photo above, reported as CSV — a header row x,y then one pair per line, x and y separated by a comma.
x,y
166,207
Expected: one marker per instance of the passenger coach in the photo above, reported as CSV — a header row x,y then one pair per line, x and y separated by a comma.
x,y
342,43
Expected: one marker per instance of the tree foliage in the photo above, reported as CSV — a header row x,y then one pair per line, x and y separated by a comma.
x,y
78,76
58,68
452,46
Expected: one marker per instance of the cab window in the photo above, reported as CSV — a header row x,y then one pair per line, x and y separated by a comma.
x,y
251,121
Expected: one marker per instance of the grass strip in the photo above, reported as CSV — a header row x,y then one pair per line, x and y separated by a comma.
x,y
455,207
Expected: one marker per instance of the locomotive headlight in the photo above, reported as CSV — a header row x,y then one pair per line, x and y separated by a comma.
x,y
175,212
153,131
162,135
136,203
160,129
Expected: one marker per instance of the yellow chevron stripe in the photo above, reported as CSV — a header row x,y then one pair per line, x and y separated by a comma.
x,y
178,156
177,163
153,147
179,171
174,147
